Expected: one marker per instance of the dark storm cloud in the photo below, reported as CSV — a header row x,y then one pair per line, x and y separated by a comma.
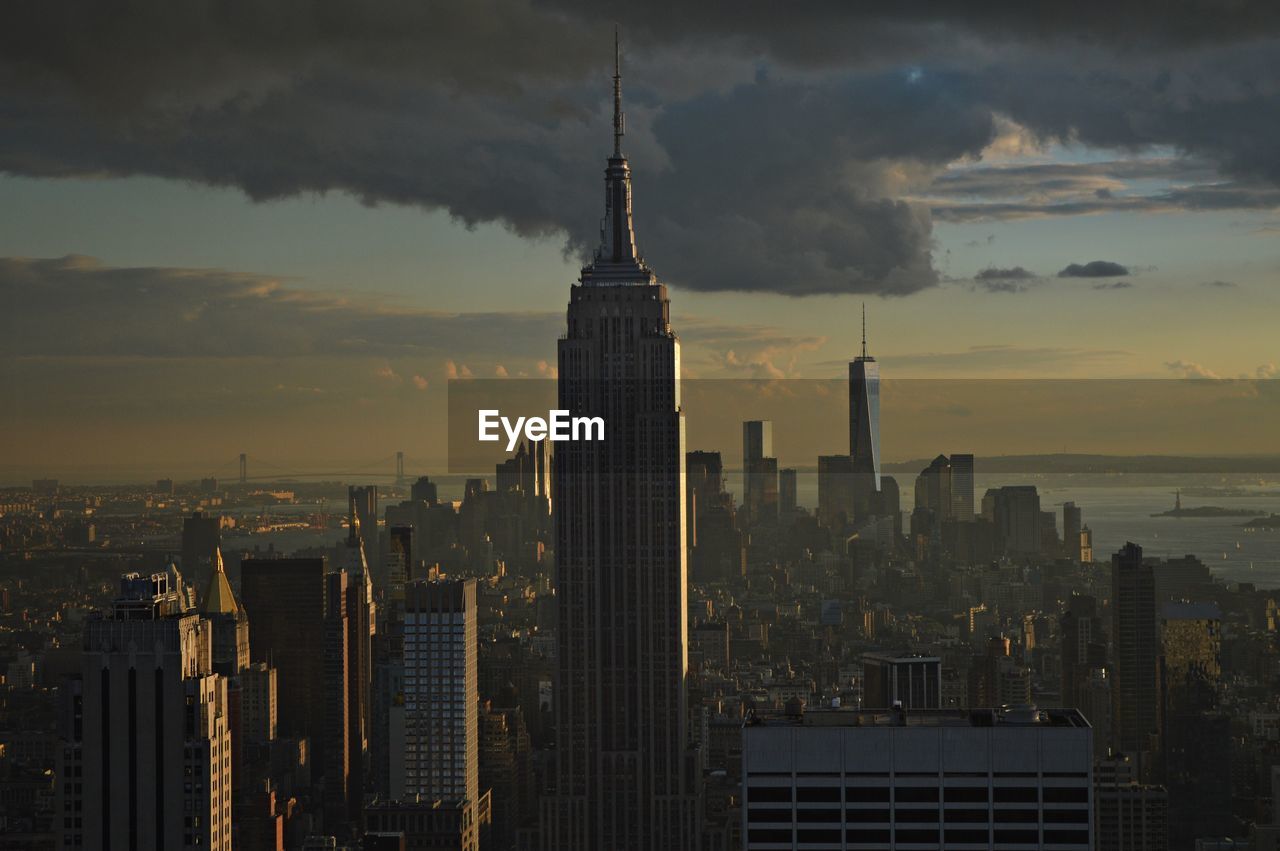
x,y
802,178
1093,269
1013,279
1013,273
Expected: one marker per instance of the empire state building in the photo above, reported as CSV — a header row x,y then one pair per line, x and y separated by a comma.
x,y
624,775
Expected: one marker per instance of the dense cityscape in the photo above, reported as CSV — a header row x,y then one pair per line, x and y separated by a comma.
x,y
607,645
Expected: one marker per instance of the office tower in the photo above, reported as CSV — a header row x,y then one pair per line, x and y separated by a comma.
x,y
757,440
1135,650
1195,732
705,472
360,626
835,489
1191,645
285,601
229,621
864,426
209,486
962,487
891,503
336,708
623,771
441,692
1071,530
787,492
423,490
147,761
704,486
259,702
1086,545
201,537
1084,647
900,679
1049,542
1095,694
933,489
929,779
1130,816
164,487
514,474
1016,514
761,491
759,473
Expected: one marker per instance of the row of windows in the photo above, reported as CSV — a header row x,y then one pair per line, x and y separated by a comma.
x,y
758,815
919,836
921,794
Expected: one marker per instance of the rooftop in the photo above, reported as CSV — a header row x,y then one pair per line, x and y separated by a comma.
x,y
1011,716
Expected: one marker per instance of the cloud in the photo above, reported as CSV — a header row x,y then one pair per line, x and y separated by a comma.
x,y
792,154
1190,369
1093,269
454,371
1113,285
1267,370
78,307
420,383
759,351
1222,285
1012,279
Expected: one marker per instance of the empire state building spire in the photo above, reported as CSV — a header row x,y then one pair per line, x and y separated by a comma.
x,y
617,260
619,124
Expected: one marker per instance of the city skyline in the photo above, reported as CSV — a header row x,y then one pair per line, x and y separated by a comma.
x,y
855,531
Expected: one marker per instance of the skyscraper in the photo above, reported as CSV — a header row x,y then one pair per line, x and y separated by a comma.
x,y
360,624
285,600
1017,519
623,770
147,763
962,487
787,491
1136,647
1071,530
336,709
441,692
201,537
864,425
1084,648
759,472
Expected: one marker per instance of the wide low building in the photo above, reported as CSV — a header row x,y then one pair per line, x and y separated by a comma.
x,y
834,779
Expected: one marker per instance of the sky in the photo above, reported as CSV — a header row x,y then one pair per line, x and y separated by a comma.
x,y
283,228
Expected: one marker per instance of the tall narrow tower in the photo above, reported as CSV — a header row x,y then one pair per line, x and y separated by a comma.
x,y
1135,641
864,426
623,768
